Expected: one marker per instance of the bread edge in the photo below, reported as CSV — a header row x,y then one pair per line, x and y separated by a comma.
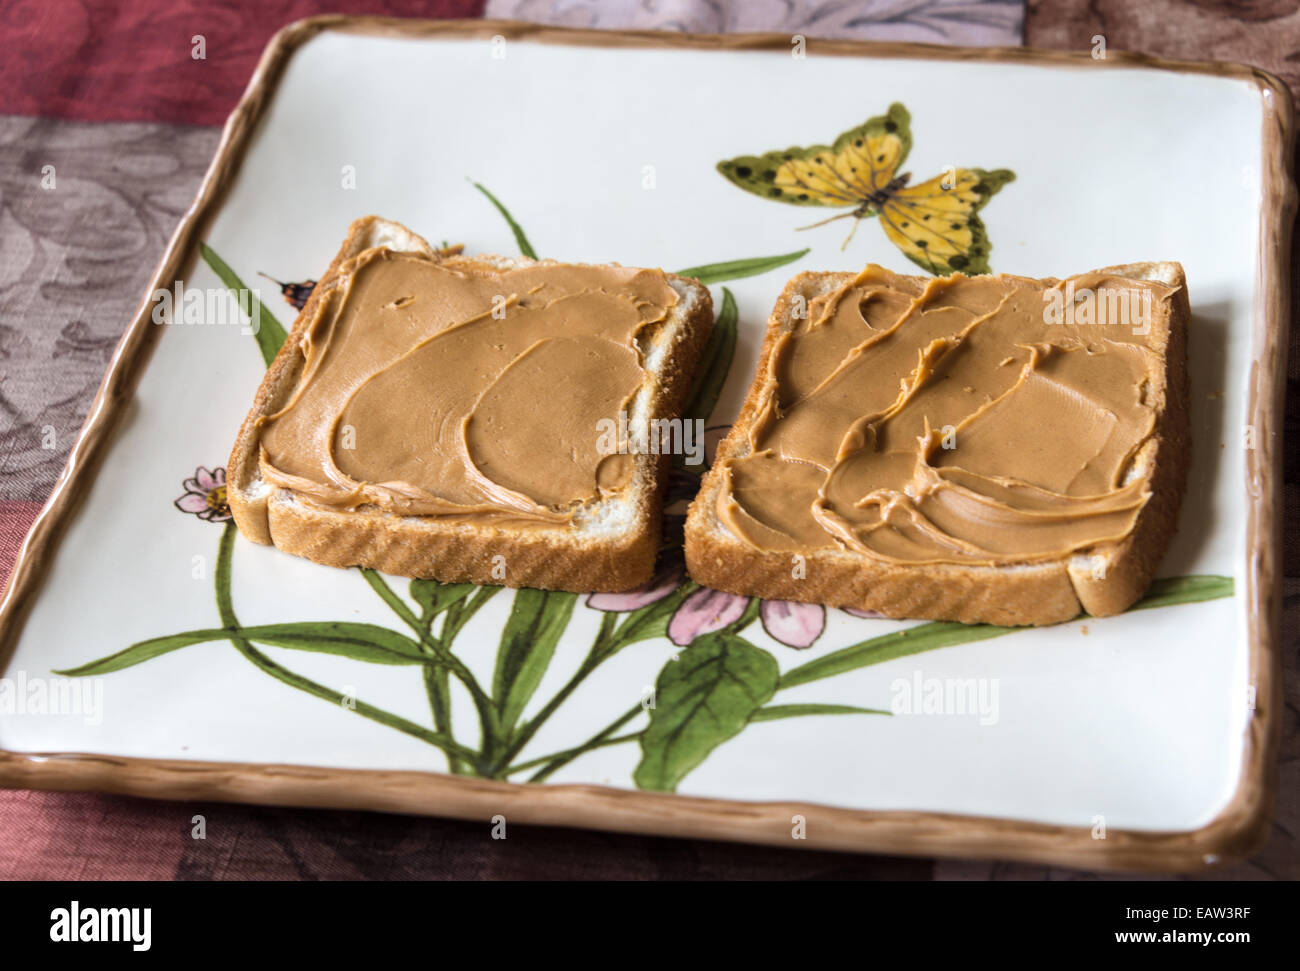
x,y
1020,595
546,557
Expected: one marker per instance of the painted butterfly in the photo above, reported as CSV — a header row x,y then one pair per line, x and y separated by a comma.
x,y
296,293
933,223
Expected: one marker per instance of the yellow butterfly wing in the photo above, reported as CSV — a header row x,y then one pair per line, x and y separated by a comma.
x,y
852,172
935,223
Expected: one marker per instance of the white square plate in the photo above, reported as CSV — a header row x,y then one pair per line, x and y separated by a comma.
x,y
1152,729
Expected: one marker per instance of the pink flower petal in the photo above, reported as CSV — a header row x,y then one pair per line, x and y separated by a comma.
x,y
192,502
866,614
192,485
219,476
792,623
659,586
704,612
205,479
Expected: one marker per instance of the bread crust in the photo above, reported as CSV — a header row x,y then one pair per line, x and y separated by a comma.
x,y
1018,595
552,557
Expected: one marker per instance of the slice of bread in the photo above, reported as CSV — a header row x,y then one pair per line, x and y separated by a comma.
x,y
1029,593
610,542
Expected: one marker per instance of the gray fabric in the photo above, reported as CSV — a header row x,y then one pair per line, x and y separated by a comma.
x,y
74,262
969,22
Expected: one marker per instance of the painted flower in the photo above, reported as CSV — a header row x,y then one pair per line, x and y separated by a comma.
x,y
866,614
669,573
793,623
706,611
667,578
205,496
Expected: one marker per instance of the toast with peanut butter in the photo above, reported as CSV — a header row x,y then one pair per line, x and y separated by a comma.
x,y
988,449
441,416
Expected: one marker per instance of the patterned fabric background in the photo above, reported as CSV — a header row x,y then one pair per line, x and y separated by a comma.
x,y
109,94
969,22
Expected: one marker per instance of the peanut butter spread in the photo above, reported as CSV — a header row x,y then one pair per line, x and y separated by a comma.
x,y
430,389
971,420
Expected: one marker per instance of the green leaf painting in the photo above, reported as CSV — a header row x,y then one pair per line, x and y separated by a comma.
x,y
434,597
268,332
1184,590
700,701
715,363
713,680
525,247
738,269
537,619
889,647
776,712
360,642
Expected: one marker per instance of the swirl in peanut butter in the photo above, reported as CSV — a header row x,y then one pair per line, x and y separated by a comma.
x,y
448,389
957,420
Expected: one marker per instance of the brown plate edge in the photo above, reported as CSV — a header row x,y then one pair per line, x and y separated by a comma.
x,y
1232,835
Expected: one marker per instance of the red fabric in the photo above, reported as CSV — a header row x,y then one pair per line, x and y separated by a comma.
x,y
16,517
99,60
84,836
